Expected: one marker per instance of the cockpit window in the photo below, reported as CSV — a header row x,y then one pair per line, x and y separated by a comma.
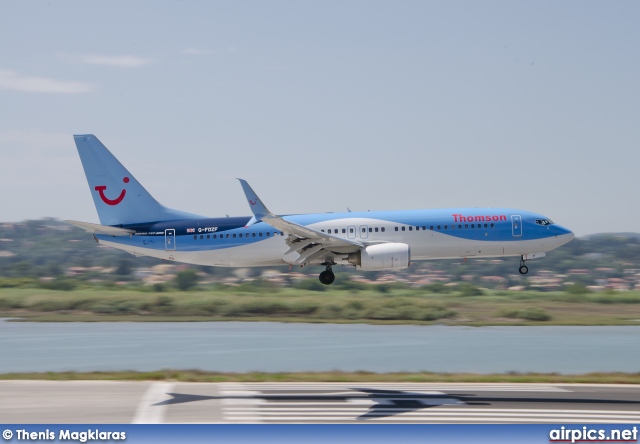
x,y
544,221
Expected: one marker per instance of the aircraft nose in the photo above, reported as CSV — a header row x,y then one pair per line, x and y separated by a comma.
x,y
564,233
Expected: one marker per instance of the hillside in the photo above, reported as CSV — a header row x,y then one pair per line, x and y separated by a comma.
x,y
48,248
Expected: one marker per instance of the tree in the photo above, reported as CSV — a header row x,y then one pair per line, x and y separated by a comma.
x,y
124,267
186,279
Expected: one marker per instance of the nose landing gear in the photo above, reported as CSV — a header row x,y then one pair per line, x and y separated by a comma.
x,y
523,268
327,277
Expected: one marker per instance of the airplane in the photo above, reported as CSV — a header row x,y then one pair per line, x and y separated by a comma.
x,y
133,221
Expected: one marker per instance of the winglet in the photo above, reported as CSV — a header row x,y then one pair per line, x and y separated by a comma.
x,y
256,205
261,213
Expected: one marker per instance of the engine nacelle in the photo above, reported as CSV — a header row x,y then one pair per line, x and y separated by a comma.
x,y
390,256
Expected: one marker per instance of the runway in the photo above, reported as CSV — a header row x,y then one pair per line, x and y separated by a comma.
x,y
55,402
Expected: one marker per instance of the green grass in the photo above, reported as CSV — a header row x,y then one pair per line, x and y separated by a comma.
x,y
201,376
361,304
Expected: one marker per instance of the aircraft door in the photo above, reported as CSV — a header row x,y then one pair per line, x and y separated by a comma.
x,y
170,239
364,232
351,231
516,225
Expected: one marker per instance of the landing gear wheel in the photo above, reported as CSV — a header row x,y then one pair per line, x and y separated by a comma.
x,y
327,277
523,269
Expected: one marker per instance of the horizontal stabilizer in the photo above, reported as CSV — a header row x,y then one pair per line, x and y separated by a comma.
x,y
101,229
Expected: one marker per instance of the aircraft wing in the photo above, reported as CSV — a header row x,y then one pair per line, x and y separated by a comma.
x,y
101,229
309,243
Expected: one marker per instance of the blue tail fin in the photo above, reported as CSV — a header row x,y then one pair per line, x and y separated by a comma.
x,y
119,198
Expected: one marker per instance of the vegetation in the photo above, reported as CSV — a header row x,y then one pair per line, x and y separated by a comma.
x,y
529,314
38,282
366,305
186,280
36,249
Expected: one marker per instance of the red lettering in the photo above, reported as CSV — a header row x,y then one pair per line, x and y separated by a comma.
x,y
461,218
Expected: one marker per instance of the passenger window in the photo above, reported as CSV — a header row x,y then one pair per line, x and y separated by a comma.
x,y
376,229
417,228
370,230
410,228
202,236
382,229
438,227
453,227
403,228
445,227
396,228
195,237
260,234
344,231
227,236
466,225
424,227
322,231
492,225
350,230
364,230
473,225
431,227
208,236
268,234
234,235
485,225
215,236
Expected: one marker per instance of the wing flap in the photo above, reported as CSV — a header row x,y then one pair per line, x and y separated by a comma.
x,y
327,241
303,232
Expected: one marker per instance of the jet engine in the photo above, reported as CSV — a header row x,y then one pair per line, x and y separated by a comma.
x,y
388,256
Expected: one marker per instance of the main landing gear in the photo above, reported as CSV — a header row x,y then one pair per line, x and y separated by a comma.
x,y
327,277
523,268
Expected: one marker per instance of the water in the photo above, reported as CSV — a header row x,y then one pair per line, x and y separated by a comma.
x,y
279,347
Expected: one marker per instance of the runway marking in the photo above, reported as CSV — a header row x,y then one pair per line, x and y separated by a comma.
x,y
455,419
147,412
431,413
405,387
439,404
239,389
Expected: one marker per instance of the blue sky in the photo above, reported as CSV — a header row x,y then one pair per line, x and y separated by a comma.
x,y
324,105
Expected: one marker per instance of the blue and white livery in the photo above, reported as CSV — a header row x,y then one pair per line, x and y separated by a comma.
x,y
133,221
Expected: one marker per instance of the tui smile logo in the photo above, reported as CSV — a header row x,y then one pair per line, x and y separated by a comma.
x,y
100,189
253,202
